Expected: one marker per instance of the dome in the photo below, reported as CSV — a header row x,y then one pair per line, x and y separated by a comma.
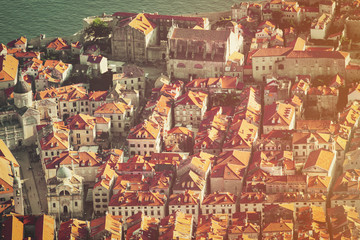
x,y
21,87
63,172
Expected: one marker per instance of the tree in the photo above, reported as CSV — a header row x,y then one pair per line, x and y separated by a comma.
x,y
75,78
98,29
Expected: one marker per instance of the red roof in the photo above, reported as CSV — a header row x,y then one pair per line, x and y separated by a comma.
x,y
317,54
271,52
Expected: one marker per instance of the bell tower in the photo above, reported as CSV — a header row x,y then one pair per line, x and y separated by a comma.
x,y
22,92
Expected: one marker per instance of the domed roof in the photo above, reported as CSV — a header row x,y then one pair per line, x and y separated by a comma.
x,y
63,172
22,87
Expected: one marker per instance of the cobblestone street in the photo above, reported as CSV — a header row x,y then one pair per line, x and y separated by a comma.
x,y
34,186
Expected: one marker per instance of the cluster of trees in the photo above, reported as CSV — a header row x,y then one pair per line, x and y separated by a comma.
x,y
97,83
98,29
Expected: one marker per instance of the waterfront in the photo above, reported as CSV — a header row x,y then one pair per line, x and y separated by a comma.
x,y
53,18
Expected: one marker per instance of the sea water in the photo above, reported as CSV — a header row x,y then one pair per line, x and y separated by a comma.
x,y
54,18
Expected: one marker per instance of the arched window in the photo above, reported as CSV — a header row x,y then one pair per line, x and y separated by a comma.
x,y
181,65
64,193
198,66
281,67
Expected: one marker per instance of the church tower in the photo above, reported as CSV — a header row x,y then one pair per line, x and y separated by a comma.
x,y
17,194
22,93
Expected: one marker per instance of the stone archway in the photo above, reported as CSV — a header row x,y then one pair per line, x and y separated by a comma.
x,y
65,209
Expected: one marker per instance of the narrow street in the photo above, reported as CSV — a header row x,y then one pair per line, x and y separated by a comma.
x,y
33,186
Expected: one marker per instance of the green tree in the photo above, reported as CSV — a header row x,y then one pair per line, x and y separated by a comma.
x,y
75,78
98,29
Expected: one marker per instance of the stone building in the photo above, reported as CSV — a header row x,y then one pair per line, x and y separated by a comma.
x,y
190,108
132,77
198,53
144,139
313,63
142,37
65,194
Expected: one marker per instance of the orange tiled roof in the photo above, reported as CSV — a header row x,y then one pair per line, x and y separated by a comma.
x,y
190,181
130,167
177,225
242,135
192,98
212,226
236,157
348,181
137,199
45,227
219,198
104,176
145,130
13,228
107,225
161,181
58,44
130,182
320,158
55,141
228,171
8,68
142,24
278,227
113,108
67,93
147,228
278,114
79,159
337,81
83,121
73,229
319,182
186,198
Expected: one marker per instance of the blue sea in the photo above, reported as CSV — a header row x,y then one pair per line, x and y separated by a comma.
x,y
64,17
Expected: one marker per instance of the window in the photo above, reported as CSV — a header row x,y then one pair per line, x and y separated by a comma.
x,y
151,145
54,205
78,135
263,67
257,68
76,204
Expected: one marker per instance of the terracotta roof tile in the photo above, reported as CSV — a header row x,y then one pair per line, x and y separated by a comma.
x,y
320,158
